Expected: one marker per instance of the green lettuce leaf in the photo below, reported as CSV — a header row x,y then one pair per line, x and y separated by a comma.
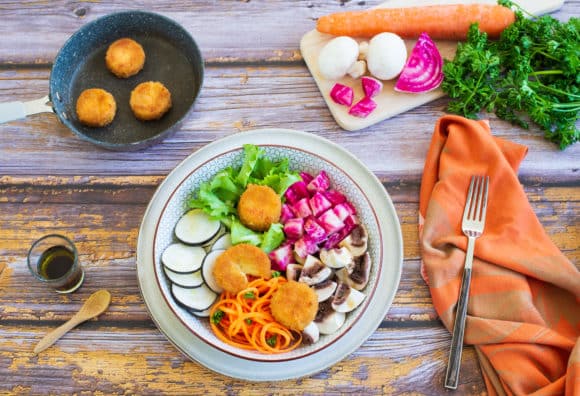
x,y
242,234
273,237
219,196
251,155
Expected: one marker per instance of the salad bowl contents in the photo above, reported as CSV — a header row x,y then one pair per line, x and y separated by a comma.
x,y
295,262
293,280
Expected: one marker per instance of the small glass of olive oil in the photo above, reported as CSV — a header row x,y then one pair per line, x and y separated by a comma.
x,y
53,259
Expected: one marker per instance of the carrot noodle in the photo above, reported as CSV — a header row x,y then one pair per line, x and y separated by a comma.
x,y
245,319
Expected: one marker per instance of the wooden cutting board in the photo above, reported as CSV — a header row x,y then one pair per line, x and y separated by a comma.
x,y
390,102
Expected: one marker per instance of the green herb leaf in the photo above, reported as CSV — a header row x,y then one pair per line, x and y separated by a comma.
x,y
217,317
249,295
531,74
271,341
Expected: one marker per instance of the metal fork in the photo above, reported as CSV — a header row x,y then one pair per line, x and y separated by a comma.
x,y
472,226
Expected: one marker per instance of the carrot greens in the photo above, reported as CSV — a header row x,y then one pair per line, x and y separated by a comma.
x,y
532,73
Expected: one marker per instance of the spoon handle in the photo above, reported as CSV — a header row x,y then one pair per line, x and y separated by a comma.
x,y
54,335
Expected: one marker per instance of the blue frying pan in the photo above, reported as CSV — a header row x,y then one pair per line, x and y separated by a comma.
x,y
172,57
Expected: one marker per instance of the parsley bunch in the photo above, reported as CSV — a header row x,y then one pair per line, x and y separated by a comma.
x,y
532,73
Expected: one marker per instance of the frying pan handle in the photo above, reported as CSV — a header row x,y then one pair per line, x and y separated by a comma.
x,y
11,111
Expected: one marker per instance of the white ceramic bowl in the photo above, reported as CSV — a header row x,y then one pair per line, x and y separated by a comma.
x,y
306,153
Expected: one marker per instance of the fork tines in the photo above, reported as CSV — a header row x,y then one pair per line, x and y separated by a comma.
x,y
475,209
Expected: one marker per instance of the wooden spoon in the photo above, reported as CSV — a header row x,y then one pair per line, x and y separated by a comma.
x,y
95,305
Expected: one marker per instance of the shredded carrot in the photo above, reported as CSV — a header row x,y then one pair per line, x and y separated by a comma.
x,y
447,22
244,319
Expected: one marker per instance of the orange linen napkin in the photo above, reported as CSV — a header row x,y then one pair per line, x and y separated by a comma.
x,y
524,306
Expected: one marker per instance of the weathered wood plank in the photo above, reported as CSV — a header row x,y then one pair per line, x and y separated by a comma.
x,y
270,31
241,98
103,215
392,361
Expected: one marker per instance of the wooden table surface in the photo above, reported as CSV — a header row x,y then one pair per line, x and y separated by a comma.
x,y
51,181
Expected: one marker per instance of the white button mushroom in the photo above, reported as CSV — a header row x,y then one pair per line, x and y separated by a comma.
x,y
386,56
358,69
337,257
310,334
337,57
314,271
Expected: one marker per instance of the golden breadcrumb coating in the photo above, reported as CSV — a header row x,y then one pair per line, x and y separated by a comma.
x,y
259,207
125,58
294,305
96,107
232,266
150,100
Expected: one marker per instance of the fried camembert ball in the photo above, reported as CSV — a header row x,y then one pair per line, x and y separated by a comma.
x,y
96,107
125,58
259,207
150,100
232,267
294,305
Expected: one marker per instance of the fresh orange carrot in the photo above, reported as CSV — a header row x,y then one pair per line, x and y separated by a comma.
x,y
244,320
447,22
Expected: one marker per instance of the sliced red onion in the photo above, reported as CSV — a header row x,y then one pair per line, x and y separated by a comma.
x,y
363,108
371,86
424,69
342,94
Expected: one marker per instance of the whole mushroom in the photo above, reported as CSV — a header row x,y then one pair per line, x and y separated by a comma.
x,y
337,57
387,55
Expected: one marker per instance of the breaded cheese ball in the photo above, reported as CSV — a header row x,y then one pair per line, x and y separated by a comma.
x,y
125,58
294,305
96,107
232,267
150,100
259,207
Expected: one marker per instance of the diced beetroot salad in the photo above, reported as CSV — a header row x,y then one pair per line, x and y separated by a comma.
x,y
314,216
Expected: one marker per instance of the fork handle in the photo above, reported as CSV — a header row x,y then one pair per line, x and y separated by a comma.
x,y
454,363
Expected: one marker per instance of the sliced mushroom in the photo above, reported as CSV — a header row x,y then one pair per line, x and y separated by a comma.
x,y
356,241
293,272
324,290
348,300
337,257
298,259
359,277
341,295
327,319
310,334
314,271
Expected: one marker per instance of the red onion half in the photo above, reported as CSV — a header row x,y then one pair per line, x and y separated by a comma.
x,y
424,69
